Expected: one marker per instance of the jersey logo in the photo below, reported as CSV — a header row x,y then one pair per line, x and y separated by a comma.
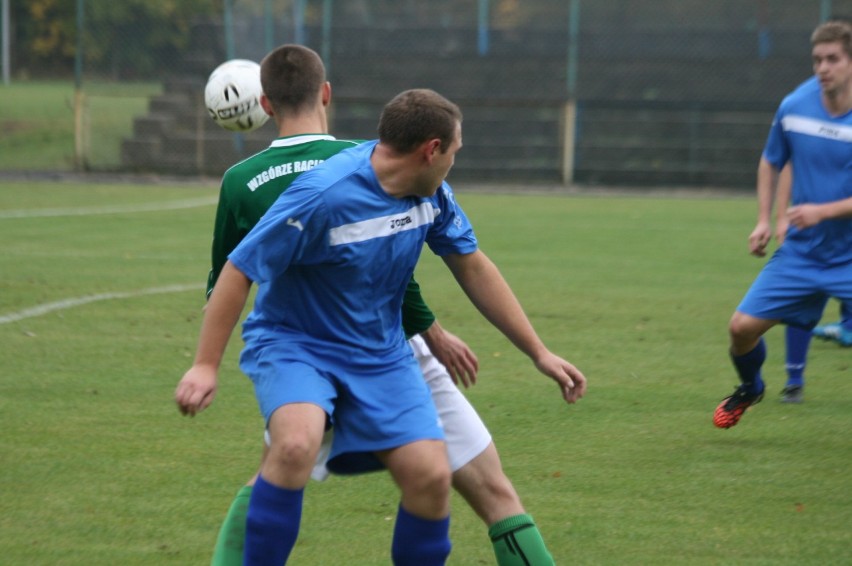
x,y
295,224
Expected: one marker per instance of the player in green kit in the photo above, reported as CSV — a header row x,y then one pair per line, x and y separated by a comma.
x,y
296,95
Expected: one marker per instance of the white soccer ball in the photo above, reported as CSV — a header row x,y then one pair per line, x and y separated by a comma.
x,y
232,96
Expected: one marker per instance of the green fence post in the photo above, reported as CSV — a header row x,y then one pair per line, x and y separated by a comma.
x,y
6,42
79,151
482,28
327,6
569,112
268,26
299,22
228,17
824,10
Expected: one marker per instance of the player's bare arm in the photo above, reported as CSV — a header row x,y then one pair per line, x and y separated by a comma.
x,y
197,388
453,353
490,293
807,215
783,191
767,176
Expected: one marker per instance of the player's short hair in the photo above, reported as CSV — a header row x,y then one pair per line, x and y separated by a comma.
x,y
836,30
291,76
418,115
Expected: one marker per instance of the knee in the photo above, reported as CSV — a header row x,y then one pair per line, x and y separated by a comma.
x,y
432,481
429,495
293,450
489,493
483,477
436,479
746,332
735,325
739,328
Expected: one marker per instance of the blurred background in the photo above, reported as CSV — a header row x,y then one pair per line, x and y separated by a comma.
x,y
557,92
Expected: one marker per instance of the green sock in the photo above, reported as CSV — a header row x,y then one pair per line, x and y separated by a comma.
x,y
517,542
232,534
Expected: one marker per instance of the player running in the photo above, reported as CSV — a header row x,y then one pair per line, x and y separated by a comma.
x,y
813,130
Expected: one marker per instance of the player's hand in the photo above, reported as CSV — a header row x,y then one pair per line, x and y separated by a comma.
x,y
571,380
453,353
804,215
196,390
759,239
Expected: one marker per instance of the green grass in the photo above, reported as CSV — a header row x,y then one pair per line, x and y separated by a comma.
x,y
100,469
37,121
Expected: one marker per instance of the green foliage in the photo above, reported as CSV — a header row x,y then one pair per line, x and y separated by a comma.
x,y
101,469
51,26
128,39
138,38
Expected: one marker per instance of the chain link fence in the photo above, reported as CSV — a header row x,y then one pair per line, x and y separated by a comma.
x,y
616,92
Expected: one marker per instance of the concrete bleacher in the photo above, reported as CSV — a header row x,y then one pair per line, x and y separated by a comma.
x,y
647,114
176,135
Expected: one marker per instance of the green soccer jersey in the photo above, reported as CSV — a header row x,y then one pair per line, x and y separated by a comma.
x,y
251,186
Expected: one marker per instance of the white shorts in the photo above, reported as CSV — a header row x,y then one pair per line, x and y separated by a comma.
x,y
466,434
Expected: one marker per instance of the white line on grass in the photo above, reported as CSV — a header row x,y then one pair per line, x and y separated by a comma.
x,y
77,301
115,209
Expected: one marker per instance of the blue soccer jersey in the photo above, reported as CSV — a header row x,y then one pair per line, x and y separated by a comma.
x,y
334,253
820,148
332,259
814,263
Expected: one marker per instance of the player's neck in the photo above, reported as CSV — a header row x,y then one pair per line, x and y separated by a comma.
x,y
839,102
311,123
397,173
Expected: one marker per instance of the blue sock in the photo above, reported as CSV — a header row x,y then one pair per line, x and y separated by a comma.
x,y
798,342
748,367
272,523
420,542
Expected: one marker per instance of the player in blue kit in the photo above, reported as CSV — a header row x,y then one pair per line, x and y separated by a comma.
x,y
798,340
332,258
812,129
297,96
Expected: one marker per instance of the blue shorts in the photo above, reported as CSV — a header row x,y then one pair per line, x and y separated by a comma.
x,y
371,408
794,289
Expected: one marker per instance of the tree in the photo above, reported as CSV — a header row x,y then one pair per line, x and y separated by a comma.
x,y
121,39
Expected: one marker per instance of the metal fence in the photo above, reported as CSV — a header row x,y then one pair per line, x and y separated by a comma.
x,y
588,91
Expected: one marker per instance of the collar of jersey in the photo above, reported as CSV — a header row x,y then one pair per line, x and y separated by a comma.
x,y
296,140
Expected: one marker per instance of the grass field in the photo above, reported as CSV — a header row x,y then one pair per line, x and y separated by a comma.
x,y
100,304
37,123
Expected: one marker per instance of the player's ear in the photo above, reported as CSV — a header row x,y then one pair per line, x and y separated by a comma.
x,y
266,105
325,93
431,148
434,147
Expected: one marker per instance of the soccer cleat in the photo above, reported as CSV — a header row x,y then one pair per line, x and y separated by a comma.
x,y
731,408
793,394
835,332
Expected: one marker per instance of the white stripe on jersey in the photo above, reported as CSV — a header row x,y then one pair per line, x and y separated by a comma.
x,y
298,140
816,128
383,226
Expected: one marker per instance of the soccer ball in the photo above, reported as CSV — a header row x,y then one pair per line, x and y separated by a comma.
x,y
232,96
